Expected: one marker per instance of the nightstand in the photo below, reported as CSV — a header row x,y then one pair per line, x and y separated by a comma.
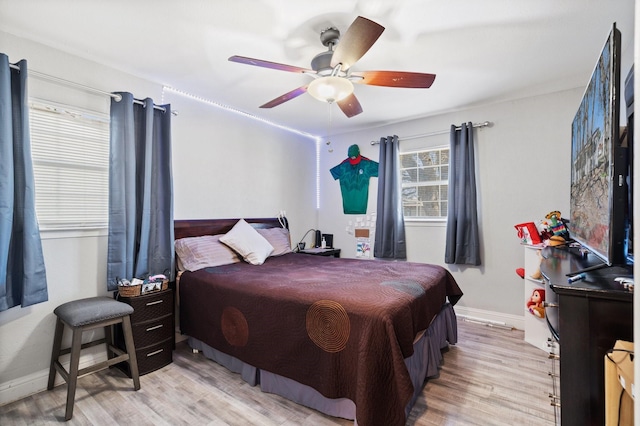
x,y
153,330
335,252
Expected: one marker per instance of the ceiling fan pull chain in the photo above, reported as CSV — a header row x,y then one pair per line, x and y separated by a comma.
x,y
330,127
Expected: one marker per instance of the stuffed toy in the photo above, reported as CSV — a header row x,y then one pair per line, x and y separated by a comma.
x,y
557,228
535,304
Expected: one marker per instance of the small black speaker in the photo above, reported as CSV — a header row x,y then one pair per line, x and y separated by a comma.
x,y
328,239
318,239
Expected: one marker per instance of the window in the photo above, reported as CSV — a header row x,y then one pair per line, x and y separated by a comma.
x,y
70,151
425,183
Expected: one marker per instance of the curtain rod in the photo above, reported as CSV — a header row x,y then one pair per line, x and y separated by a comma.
x,y
59,80
439,132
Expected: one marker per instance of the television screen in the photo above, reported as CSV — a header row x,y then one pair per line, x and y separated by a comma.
x,y
598,216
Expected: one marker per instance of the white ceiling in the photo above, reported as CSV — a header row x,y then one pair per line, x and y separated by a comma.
x,y
481,51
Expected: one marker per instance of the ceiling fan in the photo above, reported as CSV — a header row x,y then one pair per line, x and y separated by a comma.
x,y
331,70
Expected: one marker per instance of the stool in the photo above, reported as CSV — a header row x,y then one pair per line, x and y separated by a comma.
x,y
83,315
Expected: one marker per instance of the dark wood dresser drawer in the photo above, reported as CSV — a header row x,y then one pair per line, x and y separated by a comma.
x,y
151,358
151,332
154,357
150,306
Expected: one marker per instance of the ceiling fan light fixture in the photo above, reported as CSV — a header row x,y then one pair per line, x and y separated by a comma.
x,y
330,89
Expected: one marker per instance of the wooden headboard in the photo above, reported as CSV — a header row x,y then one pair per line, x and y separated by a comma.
x,y
199,227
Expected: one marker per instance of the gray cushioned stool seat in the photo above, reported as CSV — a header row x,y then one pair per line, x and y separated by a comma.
x,y
91,310
88,314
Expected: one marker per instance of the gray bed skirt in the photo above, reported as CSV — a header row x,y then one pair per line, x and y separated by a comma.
x,y
423,364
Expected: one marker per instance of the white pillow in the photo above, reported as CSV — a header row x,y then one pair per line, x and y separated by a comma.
x,y
278,238
248,243
202,252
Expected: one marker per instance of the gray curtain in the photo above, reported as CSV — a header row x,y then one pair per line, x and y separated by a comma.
x,y
140,191
23,279
462,243
390,240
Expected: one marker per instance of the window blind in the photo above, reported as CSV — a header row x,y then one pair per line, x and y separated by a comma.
x,y
70,151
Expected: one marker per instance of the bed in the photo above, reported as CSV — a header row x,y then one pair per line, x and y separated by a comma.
x,y
351,338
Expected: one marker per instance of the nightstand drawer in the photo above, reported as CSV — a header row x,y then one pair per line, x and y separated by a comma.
x,y
151,358
150,306
151,332
154,357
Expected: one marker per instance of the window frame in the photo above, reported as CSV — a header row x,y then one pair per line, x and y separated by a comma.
x,y
428,219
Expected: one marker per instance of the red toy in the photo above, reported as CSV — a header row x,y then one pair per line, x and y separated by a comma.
x,y
528,233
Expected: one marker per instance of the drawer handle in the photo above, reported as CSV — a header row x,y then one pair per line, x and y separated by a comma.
x,y
155,352
155,303
155,327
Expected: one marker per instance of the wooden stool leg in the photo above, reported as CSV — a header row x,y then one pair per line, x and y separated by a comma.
x,y
131,350
108,337
55,352
76,345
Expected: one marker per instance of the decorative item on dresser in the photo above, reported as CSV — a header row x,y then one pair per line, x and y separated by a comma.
x,y
153,330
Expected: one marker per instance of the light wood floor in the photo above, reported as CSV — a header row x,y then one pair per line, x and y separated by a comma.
x,y
490,377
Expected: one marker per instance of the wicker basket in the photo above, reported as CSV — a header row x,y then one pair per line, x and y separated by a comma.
x,y
136,290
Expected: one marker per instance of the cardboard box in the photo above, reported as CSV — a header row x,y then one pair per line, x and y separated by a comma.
x,y
618,384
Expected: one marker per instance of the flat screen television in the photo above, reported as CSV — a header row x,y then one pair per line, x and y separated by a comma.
x,y
599,209
629,95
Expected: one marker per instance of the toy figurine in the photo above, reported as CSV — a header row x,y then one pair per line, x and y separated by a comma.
x,y
557,225
535,304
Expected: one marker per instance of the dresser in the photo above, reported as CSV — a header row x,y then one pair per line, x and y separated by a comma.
x,y
153,330
588,317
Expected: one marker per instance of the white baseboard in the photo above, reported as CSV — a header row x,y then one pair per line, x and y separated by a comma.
x,y
22,387
490,317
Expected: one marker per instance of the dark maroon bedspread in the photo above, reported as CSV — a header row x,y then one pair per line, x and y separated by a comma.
x,y
341,326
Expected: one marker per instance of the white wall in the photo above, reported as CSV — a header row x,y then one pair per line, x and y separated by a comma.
x,y
224,165
523,172
227,165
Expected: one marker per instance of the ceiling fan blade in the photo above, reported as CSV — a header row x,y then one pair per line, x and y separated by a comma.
x,y
395,79
358,39
286,97
267,64
350,106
